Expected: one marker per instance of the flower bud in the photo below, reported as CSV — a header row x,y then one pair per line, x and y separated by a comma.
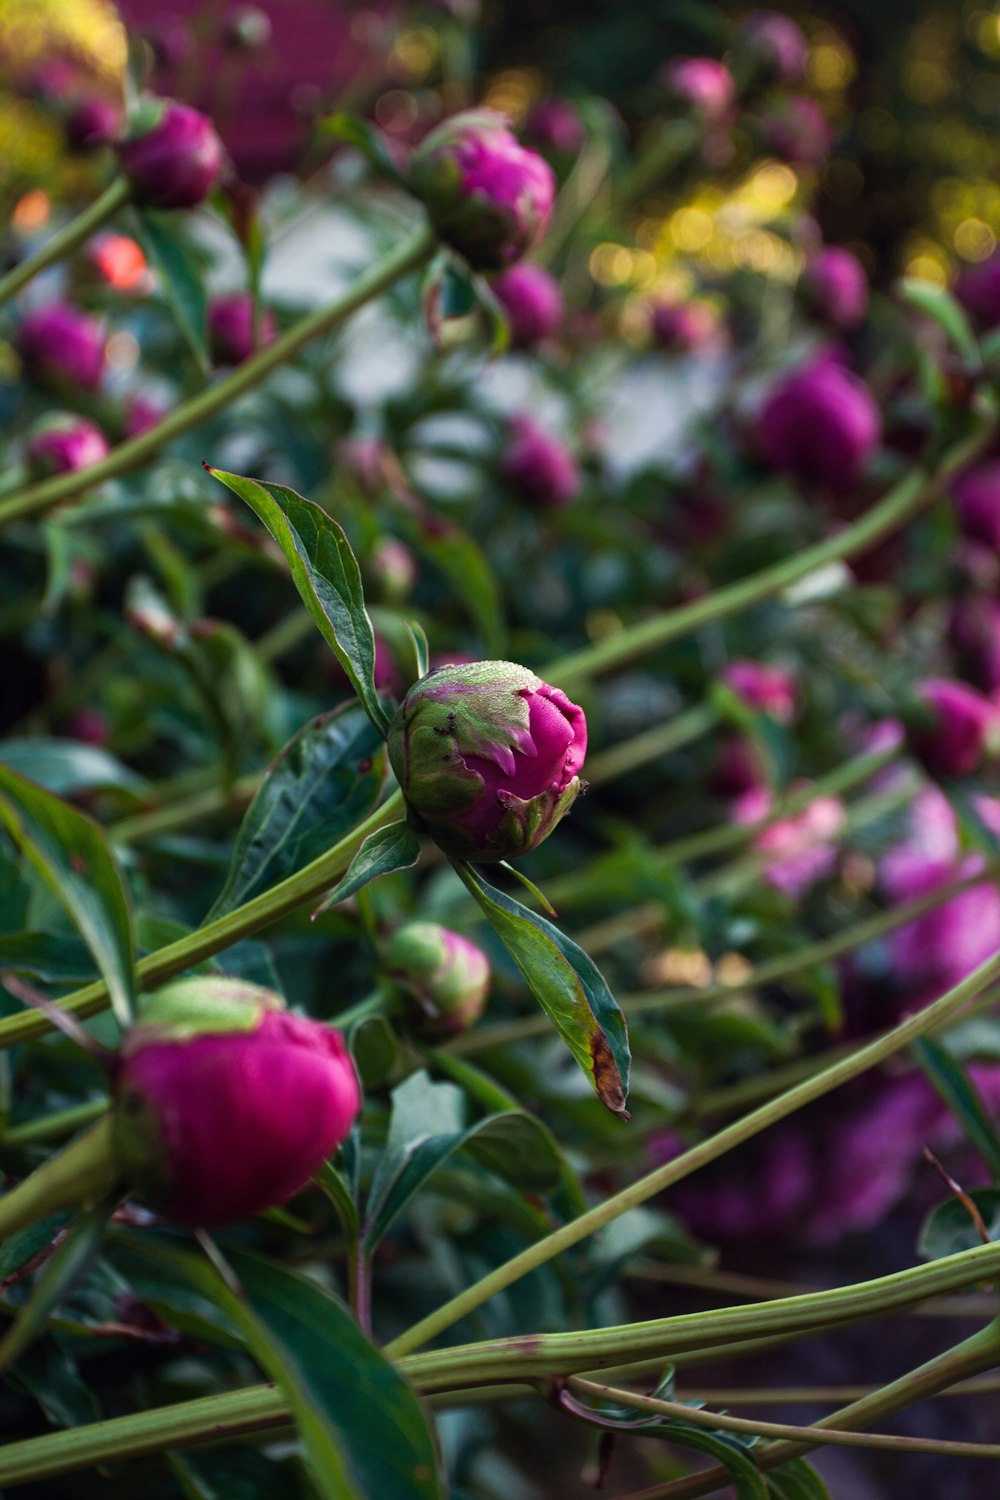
x,y
978,290
766,690
702,85
62,348
488,757
798,850
555,128
141,413
683,327
171,154
61,442
447,975
976,493
820,423
953,729
231,329
224,1105
92,123
775,43
836,287
393,569
532,301
487,197
797,131
974,636
539,467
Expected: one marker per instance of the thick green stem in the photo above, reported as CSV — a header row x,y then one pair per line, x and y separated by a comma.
x,y
68,238
204,803
629,754
38,498
78,1177
902,502
55,1126
699,1156
269,907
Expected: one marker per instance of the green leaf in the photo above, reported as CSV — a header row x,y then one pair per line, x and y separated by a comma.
x,y
181,277
323,783
747,1480
470,574
72,855
796,1480
961,1096
326,574
939,304
950,1228
335,1187
364,137
68,766
54,959
396,847
375,1050
427,1126
67,1263
568,986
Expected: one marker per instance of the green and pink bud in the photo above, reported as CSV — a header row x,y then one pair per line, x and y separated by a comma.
x,y
487,196
952,729
701,84
172,154
775,44
62,443
538,466
446,975
488,758
232,334
532,301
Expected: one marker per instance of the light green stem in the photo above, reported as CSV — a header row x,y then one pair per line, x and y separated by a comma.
x,y
699,1156
269,907
127,456
77,1177
629,754
68,238
53,1127
154,821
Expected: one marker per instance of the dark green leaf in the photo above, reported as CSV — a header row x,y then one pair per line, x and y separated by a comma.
x,y
950,1227
387,849
45,957
961,1096
323,783
939,304
335,1186
375,1050
326,574
54,1281
568,986
71,854
181,277
747,1480
796,1480
364,137
67,766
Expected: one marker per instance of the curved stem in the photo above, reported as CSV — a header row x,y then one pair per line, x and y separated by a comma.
x,y
902,502
295,891
41,497
68,238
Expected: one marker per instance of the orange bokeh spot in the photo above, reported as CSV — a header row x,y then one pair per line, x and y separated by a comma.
x,y
120,261
31,212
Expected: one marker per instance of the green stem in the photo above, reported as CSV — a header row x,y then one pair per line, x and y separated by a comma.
x,y
77,1177
626,756
269,907
818,1395
153,821
404,258
699,1156
902,502
52,1127
68,238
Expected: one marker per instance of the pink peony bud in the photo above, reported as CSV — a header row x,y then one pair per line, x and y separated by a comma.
x,y
487,197
532,301
555,128
231,329
775,43
538,466
141,413
62,348
767,690
978,290
488,757
702,85
224,1105
820,423
92,123
171,154
798,850
953,729
394,570
836,287
61,442
89,726
447,975
797,130
974,636
976,493
684,327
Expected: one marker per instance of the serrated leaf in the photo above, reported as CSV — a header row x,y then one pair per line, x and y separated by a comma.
x,y
72,855
396,847
322,784
960,1094
180,276
326,574
568,986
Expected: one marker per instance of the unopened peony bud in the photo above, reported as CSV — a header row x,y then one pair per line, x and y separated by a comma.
x,y
231,329
820,423
488,757
978,290
61,443
62,348
394,570
702,85
683,327
141,413
93,123
532,301
767,690
953,729
974,636
487,196
797,130
443,971
775,43
555,128
836,287
976,493
224,1105
539,466
171,155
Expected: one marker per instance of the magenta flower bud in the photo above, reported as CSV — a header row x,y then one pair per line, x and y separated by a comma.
x,y
702,85
836,287
61,442
92,123
974,636
532,301
231,329
976,493
62,348
171,154
683,327
89,726
488,758
798,850
797,130
487,197
978,290
539,467
820,423
953,729
394,570
224,1105
766,690
447,975
141,413
555,128
775,43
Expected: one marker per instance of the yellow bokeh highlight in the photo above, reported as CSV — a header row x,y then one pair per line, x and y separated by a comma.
x,y
974,240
